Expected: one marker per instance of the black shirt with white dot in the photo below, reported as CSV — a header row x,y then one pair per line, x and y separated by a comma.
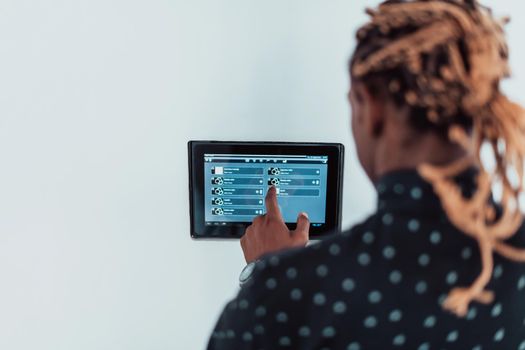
x,y
379,285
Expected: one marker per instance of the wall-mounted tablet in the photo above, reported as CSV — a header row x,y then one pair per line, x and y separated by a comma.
x,y
228,182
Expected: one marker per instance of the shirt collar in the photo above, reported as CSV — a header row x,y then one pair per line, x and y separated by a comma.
x,y
406,190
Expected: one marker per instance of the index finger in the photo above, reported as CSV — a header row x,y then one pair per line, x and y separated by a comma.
x,y
272,207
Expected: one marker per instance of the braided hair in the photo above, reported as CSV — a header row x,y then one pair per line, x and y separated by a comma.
x,y
445,60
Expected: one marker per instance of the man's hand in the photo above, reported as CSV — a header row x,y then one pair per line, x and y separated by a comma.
x,y
268,233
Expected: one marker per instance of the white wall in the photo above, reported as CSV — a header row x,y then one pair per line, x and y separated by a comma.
x,y
97,101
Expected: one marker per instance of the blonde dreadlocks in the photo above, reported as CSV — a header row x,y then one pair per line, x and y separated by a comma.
x,y
445,59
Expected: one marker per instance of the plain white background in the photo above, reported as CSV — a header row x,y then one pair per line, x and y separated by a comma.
x,y
97,101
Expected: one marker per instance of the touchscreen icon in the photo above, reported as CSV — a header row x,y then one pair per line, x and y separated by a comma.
x,y
218,170
274,182
274,171
217,191
217,181
217,211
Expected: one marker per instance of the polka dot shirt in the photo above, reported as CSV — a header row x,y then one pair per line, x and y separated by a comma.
x,y
379,285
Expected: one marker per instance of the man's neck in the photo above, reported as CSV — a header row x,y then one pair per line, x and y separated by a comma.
x,y
429,149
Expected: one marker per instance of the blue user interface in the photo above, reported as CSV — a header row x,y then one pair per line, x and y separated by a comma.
x,y
235,186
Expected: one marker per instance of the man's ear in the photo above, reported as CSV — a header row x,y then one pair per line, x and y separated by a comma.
x,y
375,116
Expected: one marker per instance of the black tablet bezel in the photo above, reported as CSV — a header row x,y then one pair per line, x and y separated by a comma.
x,y
197,149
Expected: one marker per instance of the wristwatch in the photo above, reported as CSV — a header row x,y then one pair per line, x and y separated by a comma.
x,y
247,272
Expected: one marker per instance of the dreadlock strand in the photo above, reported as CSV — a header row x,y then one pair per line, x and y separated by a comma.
x,y
431,9
509,252
407,49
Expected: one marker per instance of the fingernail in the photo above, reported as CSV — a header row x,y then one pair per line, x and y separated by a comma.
x,y
304,214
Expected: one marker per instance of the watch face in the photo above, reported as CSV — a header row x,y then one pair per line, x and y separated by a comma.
x,y
246,273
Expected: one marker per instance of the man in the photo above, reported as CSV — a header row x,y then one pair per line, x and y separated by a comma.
x,y
421,272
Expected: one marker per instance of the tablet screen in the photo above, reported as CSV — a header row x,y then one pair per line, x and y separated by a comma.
x,y
228,182
236,185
